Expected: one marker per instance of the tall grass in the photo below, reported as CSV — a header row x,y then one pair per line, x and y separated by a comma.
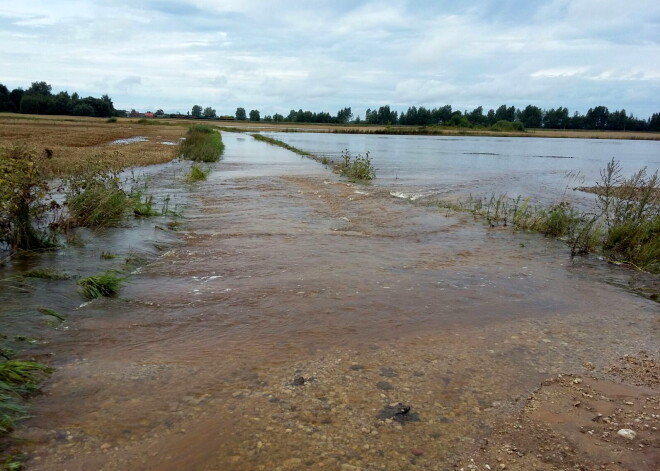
x,y
203,143
282,144
95,197
18,379
624,225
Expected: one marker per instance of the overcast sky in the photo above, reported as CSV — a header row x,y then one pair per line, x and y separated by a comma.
x,y
324,55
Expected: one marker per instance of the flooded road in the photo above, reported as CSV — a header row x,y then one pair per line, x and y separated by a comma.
x,y
298,310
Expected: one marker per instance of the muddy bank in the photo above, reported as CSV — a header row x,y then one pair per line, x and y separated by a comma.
x,y
298,308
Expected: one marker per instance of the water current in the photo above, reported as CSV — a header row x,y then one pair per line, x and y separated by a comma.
x,y
292,308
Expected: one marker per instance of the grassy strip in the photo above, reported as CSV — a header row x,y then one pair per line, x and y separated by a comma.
x,y
203,143
96,286
284,145
47,274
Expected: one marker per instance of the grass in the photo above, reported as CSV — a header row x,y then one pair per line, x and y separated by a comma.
x,y
203,143
108,255
197,174
278,143
18,379
624,225
106,284
51,312
95,198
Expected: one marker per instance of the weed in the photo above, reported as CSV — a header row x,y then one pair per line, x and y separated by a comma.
x,y
197,174
325,161
107,255
104,284
25,200
47,274
358,168
202,144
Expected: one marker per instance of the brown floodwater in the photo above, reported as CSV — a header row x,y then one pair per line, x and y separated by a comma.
x,y
294,306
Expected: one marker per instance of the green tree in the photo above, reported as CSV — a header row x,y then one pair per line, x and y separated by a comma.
x,y
209,112
531,116
254,115
5,100
196,111
39,88
240,114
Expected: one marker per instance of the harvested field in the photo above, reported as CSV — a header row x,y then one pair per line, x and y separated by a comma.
x,y
74,141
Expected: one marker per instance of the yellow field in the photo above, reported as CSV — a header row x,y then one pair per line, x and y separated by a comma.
x,y
75,141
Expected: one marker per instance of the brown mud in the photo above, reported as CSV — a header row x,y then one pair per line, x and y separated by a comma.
x,y
300,309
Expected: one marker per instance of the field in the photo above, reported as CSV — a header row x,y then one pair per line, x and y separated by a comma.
x,y
74,141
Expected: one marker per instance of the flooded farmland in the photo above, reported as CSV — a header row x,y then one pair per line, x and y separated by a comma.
x,y
298,321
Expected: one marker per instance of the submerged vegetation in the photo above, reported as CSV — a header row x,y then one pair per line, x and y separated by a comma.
x,y
197,174
104,284
202,144
624,226
278,143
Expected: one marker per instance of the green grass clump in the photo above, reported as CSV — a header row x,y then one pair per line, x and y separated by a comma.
x,y
111,120
18,379
95,198
108,255
197,174
105,284
47,274
203,143
356,168
504,125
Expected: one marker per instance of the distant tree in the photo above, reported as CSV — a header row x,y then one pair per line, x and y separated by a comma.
x,y
32,103
83,109
654,122
39,88
16,96
240,114
5,100
598,117
556,118
477,116
344,115
268,118
159,112
531,116
278,118
505,114
357,120
60,104
254,115
196,111
209,112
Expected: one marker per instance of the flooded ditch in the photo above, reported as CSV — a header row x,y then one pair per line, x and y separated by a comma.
x,y
294,310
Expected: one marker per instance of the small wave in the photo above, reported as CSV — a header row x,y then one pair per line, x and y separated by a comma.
x,y
407,196
480,153
130,140
553,156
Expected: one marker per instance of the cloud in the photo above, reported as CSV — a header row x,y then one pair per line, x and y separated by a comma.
x,y
275,56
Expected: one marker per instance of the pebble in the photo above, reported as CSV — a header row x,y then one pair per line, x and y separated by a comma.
x,y
417,451
627,433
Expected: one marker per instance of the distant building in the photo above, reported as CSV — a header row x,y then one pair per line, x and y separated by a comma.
x,y
148,114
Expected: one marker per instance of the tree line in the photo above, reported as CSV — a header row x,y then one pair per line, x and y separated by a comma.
x,y
39,99
598,118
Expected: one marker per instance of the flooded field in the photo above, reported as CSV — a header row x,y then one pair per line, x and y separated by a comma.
x,y
542,169
297,321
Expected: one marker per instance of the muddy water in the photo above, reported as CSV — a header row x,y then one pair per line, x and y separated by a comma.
x,y
295,308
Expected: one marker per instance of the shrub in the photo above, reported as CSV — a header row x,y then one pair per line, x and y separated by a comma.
x,y
203,143
111,120
25,200
504,125
104,284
